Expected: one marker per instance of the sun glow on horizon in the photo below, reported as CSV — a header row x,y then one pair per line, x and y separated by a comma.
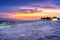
x,y
34,15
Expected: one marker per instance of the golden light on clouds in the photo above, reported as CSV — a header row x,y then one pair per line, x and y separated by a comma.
x,y
26,16
35,15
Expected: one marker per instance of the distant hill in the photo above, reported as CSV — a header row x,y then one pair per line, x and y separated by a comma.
x,y
14,21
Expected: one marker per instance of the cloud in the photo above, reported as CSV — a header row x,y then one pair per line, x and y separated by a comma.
x,y
15,5
27,6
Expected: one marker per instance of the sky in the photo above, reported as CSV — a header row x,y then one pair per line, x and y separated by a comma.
x,y
14,8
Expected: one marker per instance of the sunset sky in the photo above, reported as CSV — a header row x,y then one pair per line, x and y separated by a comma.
x,y
29,9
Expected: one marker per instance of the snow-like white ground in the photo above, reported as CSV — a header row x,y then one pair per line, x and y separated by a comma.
x,y
37,30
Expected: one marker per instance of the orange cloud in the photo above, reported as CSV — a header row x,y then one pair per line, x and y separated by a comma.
x,y
35,15
25,16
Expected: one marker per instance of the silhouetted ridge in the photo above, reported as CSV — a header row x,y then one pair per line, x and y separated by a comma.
x,y
13,21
